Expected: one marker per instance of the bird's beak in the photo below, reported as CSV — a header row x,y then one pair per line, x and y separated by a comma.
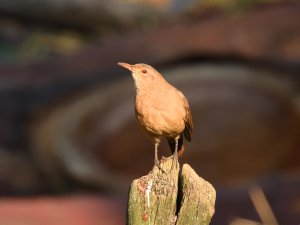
x,y
126,65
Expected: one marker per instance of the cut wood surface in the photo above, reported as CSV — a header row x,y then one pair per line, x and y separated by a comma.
x,y
171,197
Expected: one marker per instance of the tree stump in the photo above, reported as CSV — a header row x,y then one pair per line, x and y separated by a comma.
x,y
170,197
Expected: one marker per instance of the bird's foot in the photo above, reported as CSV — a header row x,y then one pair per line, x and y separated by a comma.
x,y
156,163
175,161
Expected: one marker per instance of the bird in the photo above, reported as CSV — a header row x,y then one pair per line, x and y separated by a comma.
x,y
161,110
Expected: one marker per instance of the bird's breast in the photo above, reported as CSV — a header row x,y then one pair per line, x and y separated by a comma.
x,y
160,113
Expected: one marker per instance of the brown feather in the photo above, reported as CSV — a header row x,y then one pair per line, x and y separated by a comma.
x,y
188,121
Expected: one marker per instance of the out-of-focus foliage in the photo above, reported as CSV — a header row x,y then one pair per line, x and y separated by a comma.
x,y
232,3
18,43
24,46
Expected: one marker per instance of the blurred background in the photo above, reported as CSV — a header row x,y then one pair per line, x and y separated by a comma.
x,y
69,142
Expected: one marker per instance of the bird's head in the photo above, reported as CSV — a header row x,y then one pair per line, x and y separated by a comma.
x,y
142,74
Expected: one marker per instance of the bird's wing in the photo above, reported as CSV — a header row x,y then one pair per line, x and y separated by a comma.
x,y
188,120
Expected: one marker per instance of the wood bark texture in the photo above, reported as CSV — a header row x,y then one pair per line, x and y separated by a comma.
x,y
171,197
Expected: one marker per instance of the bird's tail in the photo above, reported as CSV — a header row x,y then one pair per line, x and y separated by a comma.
x,y
180,149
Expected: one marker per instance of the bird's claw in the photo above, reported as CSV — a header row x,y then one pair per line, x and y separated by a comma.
x,y
156,163
176,162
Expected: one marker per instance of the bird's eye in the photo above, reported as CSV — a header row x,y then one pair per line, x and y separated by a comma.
x,y
144,71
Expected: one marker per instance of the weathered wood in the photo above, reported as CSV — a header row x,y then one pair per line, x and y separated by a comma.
x,y
198,199
154,198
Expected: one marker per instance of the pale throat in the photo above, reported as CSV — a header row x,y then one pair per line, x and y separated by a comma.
x,y
142,85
